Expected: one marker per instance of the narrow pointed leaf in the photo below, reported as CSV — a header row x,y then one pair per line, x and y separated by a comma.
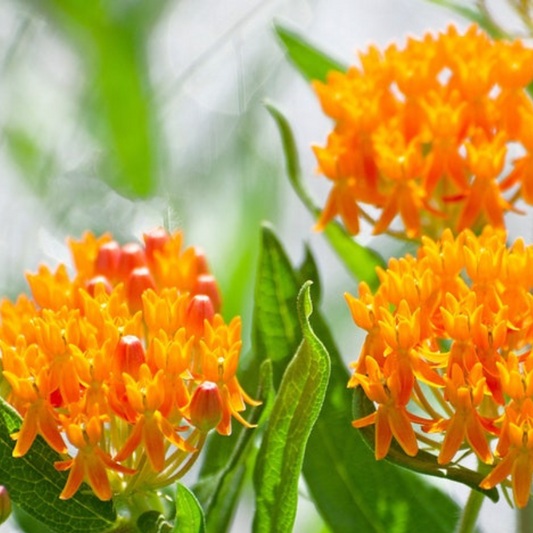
x,y
34,485
423,462
294,413
276,329
311,62
189,513
360,261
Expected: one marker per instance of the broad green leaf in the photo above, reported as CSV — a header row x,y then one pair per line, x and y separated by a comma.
x,y
189,514
153,522
276,331
360,261
34,485
423,462
352,491
226,458
312,63
295,411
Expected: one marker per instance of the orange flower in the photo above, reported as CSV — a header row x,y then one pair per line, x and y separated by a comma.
x,y
111,358
455,322
421,134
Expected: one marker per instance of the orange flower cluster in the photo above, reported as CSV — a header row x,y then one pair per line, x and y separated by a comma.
x,y
449,349
126,367
427,133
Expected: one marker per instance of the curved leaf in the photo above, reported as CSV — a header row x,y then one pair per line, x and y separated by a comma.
x,y
295,411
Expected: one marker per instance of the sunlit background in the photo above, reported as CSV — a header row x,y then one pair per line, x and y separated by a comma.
x,y
127,114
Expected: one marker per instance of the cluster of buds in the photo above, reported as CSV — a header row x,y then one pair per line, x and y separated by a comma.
x,y
449,350
426,133
124,368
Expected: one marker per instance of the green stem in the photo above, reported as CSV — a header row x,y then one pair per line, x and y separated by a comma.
x,y
467,522
525,518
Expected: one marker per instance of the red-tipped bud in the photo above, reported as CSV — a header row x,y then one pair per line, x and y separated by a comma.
x,y
200,308
155,240
97,281
107,260
206,284
5,504
206,406
201,261
139,280
132,256
129,356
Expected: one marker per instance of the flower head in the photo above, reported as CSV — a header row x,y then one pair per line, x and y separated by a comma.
x,y
110,365
448,359
423,134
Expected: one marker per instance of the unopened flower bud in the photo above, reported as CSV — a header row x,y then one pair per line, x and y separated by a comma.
x,y
200,308
5,504
206,406
206,284
132,256
107,260
93,283
155,240
139,280
201,261
129,356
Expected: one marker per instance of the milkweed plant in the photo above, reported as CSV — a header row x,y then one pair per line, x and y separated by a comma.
x,y
131,402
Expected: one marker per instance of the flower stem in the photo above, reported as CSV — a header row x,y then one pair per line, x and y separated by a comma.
x,y
525,518
468,519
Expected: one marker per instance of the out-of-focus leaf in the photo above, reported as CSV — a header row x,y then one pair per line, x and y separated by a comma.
x,y
189,513
311,62
474,15
226,458
34,485
118,107
34,164
360,261
295,411
423,462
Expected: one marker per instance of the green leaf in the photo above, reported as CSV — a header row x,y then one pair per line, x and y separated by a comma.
x,y
276,331
118,106
36,166
423,462
351,490
360,261
34,485
312,63
474,15
295,411
189,513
